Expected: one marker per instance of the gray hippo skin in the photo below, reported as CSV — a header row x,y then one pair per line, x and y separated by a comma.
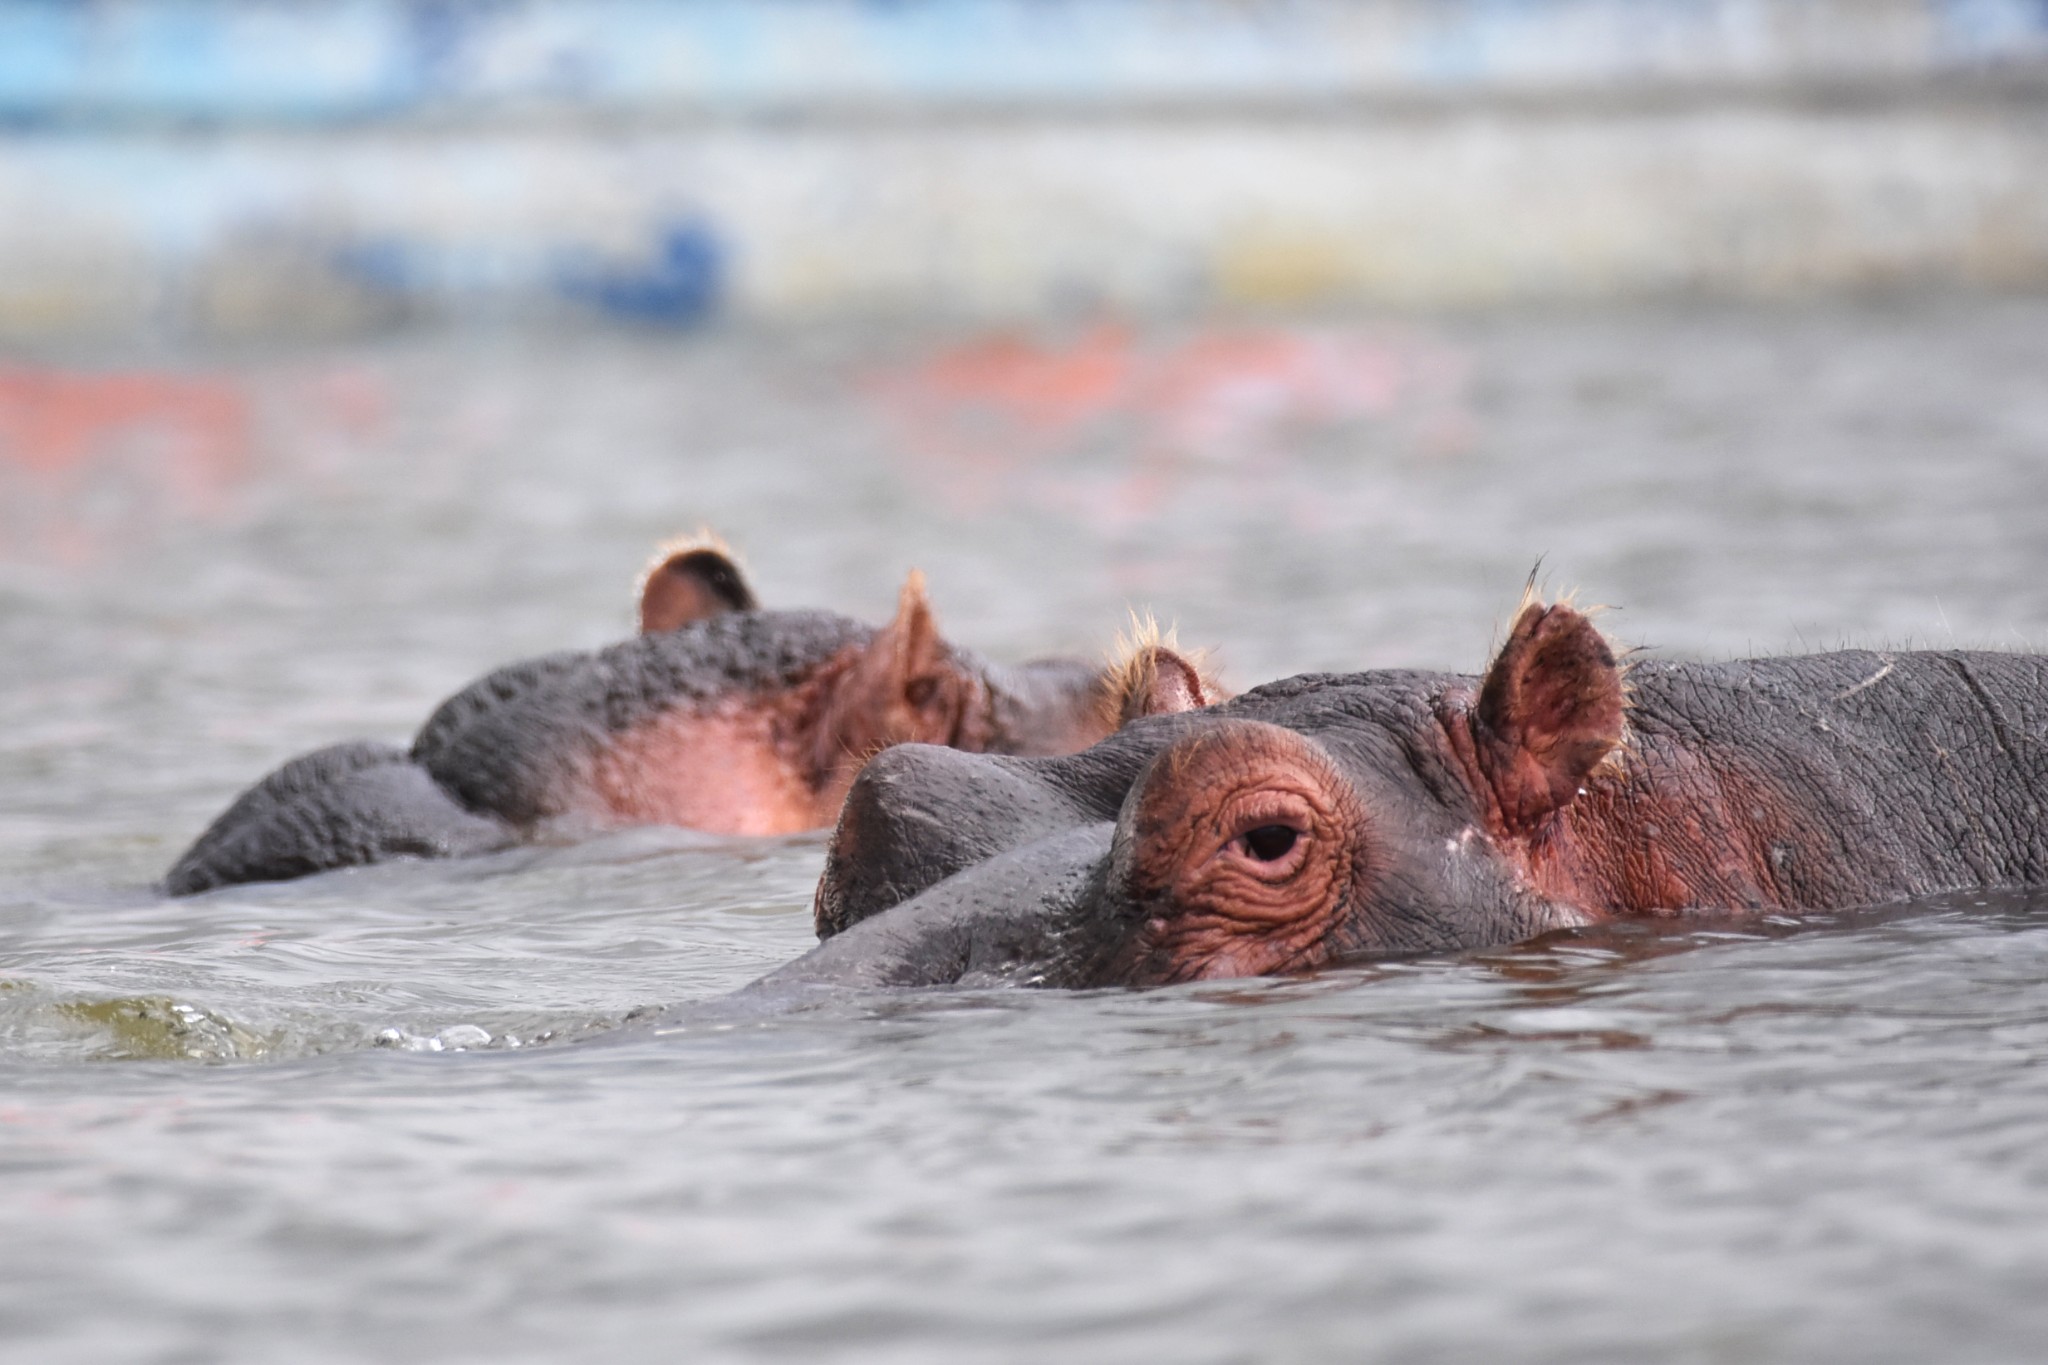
x,y
719,716
1338,817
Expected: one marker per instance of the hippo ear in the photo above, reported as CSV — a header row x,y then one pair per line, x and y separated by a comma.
x,y
1158,681
906,687
1550,711
908,657
692,582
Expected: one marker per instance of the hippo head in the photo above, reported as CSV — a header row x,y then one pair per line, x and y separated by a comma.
x,y
1314,820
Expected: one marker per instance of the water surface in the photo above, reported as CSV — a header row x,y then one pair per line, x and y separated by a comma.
x,y
499,1109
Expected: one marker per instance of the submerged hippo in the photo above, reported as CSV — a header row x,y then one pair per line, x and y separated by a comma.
x,y
1334,817
718,716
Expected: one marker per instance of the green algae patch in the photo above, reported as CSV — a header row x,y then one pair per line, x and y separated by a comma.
x,y
159,1028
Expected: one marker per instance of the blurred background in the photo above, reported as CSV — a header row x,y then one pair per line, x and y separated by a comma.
x,y
257,168
351,347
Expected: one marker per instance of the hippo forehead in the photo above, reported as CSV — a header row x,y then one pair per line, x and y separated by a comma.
x,y
1372,724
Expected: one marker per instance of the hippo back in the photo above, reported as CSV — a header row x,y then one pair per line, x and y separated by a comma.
x,y
513,742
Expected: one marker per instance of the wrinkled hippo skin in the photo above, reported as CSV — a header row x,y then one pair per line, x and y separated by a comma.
x,y
720,717
1328,818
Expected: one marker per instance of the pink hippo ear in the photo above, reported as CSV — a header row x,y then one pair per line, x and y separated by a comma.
x,y
906,687
1549,713
691,580
1156,680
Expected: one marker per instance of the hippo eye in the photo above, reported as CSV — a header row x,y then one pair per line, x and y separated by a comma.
x,y
1241,844
1270,843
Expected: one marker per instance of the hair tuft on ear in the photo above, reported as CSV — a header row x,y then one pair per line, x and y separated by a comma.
x,y
1151,675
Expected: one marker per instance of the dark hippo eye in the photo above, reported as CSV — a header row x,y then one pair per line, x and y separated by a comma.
x,y
1239,844
1270,843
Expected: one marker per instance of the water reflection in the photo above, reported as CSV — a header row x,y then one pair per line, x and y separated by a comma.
x,y
96,466
1115,429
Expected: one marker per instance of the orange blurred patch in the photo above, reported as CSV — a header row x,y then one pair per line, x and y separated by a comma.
x,y
980,410
87,459
1108,427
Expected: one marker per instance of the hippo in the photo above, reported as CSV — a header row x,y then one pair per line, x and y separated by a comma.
x,y
1333,818
717,716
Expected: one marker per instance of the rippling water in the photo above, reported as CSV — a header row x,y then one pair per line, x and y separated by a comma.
x,y
499,1109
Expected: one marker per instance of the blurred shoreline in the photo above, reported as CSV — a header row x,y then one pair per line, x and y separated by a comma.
x,y
214,170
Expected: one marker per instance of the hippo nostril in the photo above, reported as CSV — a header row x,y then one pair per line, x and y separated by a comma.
x,y
1270,843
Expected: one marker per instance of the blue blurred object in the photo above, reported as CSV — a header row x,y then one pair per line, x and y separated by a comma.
x,y
379,263
679,287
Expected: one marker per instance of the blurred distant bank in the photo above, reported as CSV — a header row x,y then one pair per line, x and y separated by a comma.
x,y
255,167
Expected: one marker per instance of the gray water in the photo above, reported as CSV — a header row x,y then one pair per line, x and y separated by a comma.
x,y
497,1110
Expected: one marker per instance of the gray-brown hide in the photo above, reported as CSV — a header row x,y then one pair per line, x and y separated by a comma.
x,y
733,720
1335,817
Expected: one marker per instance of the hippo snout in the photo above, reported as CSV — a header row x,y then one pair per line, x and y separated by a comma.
x,y
919,813
1028,916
